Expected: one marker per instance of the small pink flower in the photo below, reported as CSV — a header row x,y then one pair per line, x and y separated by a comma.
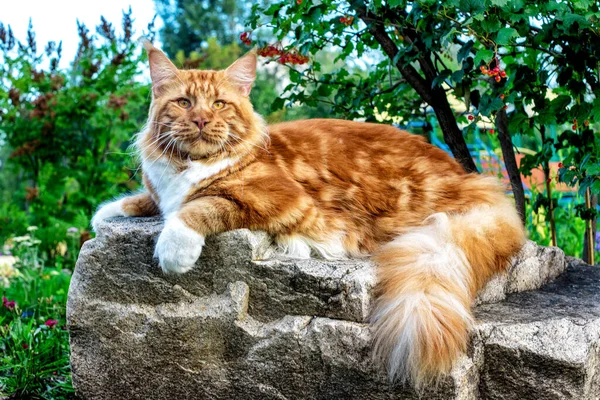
x,y
51,322
8,304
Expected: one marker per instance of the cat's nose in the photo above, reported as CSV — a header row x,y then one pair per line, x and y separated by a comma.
x,y
200,122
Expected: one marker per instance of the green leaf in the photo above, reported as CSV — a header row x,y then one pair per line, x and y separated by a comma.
x,y
295,76
441,78
570,19
517,123
464,51
471,6
505,35
483,55
277,104
560,103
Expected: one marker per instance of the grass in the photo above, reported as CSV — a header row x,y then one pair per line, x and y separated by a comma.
x,y
34,344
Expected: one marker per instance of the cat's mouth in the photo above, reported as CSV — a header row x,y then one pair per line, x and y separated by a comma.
x,y
198,136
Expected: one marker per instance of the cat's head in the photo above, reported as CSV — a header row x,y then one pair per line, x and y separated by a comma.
x,y
201,114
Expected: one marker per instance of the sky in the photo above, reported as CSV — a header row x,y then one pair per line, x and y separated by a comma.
x,y
57,19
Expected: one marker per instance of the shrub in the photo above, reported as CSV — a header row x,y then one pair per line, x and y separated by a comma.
x,y
68,131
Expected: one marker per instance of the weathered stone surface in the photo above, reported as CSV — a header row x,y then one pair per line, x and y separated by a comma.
x,y
249,323
544,344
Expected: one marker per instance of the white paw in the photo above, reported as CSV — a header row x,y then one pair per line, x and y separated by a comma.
x,y
178,247
108,210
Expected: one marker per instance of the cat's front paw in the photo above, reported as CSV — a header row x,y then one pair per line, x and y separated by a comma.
x,y
178,247
108,210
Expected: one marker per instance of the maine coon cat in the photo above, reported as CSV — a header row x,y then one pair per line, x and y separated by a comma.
x,y
330,187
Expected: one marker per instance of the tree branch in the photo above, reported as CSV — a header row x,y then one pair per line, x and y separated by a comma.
x,y
436,97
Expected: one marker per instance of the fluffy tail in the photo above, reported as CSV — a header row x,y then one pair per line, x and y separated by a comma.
x,y
428,279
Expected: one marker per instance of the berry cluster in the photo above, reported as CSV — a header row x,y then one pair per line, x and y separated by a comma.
x,y
495,73
586,123
292,58
269,51
245,38
347,20
285,57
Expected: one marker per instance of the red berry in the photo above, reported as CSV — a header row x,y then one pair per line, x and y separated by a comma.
x,y
503,74
25,346
502,97
574,127
498,79
245,37
560,165
549,180
492,131
470,118
298,2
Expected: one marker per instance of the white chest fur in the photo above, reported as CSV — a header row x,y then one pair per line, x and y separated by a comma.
x,y
173,186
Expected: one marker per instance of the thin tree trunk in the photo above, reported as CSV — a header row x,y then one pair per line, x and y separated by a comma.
x,y
586,254
510,161
546,169
435,97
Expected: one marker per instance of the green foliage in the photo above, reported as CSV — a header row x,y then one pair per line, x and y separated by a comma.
x,y
34,357
68,131
188,24
346,74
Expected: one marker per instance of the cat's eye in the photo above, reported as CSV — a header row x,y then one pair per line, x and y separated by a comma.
x,y
183,103
219,104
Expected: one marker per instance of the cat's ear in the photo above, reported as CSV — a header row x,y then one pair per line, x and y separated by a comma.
x,y
162,70
242,73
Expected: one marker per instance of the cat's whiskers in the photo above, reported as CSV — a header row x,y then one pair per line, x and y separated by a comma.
x,y
141,155
167,164
164,135
160,137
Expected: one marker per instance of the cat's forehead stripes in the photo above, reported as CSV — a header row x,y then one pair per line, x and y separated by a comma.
x,y
203,84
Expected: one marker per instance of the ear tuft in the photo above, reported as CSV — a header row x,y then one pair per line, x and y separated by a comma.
x,y
162,70
242,72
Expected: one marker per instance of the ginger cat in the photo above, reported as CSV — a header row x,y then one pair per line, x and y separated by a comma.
x,y
331,187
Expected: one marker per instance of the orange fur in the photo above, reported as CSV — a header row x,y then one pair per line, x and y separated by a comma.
x,y
338,188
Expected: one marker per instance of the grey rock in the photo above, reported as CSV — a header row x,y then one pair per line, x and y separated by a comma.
x,y
248,323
